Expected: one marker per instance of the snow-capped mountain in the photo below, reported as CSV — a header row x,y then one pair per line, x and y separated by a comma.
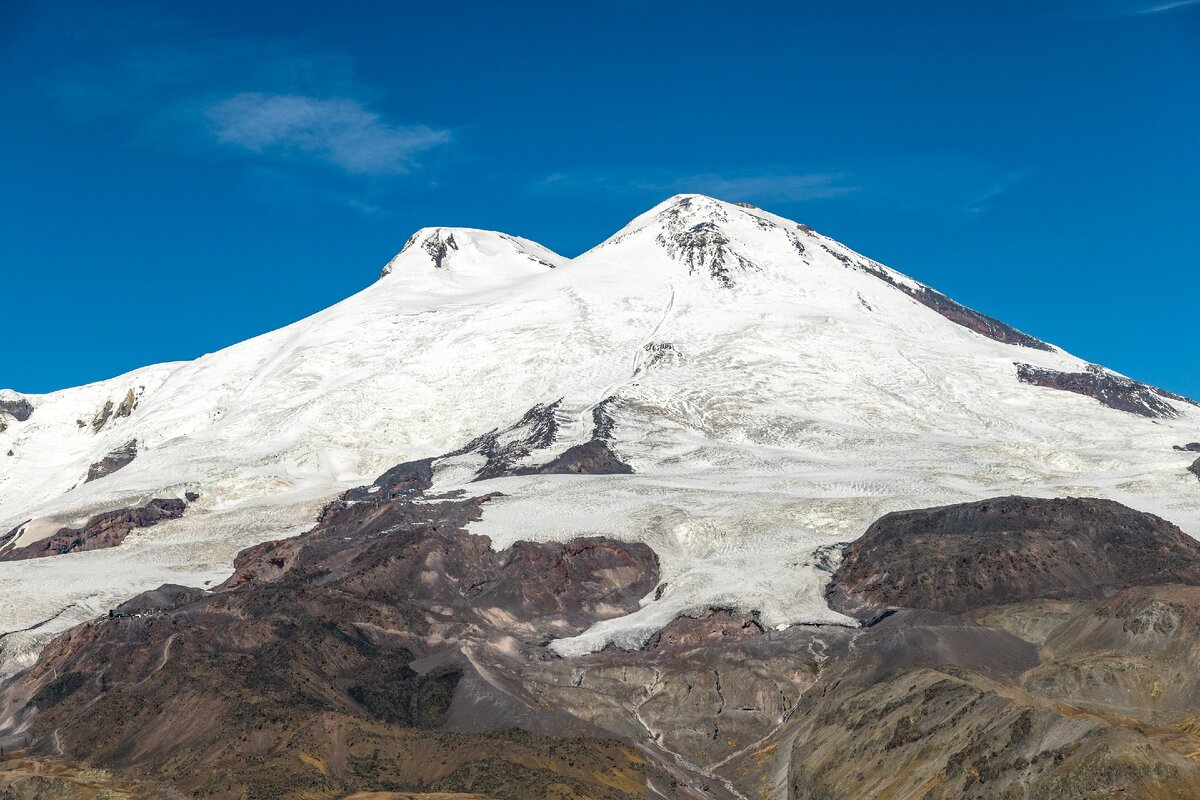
x,y
772,390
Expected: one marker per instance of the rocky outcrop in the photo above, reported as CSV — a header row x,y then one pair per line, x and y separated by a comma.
x,y
961,557
351,644
705,249
110,411
504,448
389,650
660,354
19,409
123,456
409,478
1190,447
702,246
438,246
603,422
1110,389
712,626
1195,468
103,530
167,597
594,457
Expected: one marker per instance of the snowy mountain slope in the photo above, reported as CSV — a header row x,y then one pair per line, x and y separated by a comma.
x,y
774,392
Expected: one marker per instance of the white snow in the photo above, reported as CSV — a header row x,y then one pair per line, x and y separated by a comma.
x,y
794,409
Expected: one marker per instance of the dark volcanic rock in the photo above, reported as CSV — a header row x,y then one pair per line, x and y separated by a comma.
x,y
165,598
973,320
602,419
101,531
438,246
961,557
1111,390
703,246
1191,447
123,456
20,409
591,458
957,313
536,430
364,629
411,477
705,249
1195,468
502,449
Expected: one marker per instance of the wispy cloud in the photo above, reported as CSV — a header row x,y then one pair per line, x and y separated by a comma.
x,y
1171,6
1002,185
951,185
1109,9
783,186
338,130
766,188
170,85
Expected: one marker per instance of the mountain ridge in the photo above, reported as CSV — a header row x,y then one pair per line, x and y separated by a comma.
x,y
771,390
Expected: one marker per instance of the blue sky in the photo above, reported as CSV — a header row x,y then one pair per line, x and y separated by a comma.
x,y
178,177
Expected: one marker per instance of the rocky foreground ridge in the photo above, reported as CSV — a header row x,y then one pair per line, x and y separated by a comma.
x,y
388,650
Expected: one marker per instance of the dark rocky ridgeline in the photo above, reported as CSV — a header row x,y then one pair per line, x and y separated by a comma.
x,y
1111,390
19,409
535,430
388,650
594,457
973,320
123,456
1190,447
961,557
103,530
603,422
956,312
167,597
402,480
344,660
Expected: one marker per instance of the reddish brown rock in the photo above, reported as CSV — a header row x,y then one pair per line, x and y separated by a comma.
x,y
101,531
713,626
961,557
1110,389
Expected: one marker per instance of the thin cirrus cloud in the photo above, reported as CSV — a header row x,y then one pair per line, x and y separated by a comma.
x,y
786,188
1110,9
764,187
1168,6
339,131
954,185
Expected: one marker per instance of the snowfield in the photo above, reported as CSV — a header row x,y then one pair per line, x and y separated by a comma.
x,y
774,394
